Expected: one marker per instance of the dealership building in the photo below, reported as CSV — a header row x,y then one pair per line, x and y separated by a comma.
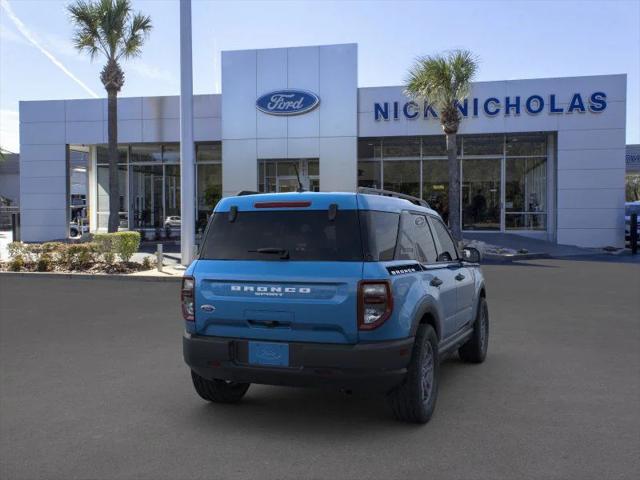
x,y
543,158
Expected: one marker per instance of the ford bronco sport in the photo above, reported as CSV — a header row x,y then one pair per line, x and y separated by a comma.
x,y
350,290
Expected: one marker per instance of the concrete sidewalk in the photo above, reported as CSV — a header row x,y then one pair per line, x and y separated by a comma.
x,y
531,245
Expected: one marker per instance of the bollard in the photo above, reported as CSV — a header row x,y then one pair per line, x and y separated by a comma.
x,y
633,233
159,257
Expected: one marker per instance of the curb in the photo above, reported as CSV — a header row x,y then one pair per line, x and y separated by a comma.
x,y
89,276
494,258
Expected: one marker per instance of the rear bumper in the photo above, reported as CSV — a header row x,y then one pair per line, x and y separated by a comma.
x,y
378,366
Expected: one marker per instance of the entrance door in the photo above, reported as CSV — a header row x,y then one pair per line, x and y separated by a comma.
x,y
287,175
481,194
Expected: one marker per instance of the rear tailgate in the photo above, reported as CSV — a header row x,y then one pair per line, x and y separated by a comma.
x,y
282,301
281,267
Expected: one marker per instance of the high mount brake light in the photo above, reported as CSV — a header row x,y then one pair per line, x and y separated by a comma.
x,y
281,204
187,295
375,303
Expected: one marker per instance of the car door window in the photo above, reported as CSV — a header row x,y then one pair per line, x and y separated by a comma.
x,y
447,250
415,241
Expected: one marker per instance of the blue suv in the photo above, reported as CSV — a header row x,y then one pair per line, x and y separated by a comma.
x,y
348,290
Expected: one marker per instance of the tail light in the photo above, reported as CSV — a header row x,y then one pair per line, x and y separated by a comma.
x,y
375,303
187,295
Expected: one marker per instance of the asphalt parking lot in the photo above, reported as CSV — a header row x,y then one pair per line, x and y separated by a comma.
x,y
93,386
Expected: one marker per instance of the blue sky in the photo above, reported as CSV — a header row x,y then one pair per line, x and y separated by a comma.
x,y
512,39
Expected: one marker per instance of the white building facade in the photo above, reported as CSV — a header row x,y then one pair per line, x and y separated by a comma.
x,y
543,157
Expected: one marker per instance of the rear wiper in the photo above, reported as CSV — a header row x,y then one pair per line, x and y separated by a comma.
x,y
283,252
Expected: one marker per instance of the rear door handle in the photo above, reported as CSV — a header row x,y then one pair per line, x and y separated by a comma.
x,y
459,277
435,282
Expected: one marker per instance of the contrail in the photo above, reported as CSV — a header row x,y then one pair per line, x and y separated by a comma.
x,y
31,38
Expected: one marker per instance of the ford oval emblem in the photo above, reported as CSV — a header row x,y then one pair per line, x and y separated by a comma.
x,y
208,308
287,102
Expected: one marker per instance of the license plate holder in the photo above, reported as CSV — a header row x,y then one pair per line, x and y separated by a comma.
x,y
269,354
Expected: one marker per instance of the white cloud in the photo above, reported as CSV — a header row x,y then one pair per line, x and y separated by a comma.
x,y
31,37
9,130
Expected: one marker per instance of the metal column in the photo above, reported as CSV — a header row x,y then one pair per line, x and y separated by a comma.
x,y
187,148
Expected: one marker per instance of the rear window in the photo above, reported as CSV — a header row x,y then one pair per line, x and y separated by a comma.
x,y
279,234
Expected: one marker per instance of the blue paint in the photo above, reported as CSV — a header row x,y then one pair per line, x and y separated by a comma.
x,y
414,110
463,108
428,109
509,105
381,111
529,104
576,104
598,102
496,110
534,104
552,105
287,102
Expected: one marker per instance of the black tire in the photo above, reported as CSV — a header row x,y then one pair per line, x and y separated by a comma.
x,y
475,349
219,391
415,399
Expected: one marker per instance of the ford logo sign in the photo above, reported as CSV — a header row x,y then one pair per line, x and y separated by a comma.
x,y
287,102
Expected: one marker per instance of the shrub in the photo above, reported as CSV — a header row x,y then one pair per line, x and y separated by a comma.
x,y
78,256
126,244
146,263
17,263
16,249
106,246
45,263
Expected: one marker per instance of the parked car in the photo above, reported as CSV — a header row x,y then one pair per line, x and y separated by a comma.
x,y
342,289
629,208
172,222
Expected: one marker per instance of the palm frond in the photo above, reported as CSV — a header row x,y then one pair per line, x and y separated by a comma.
x,y
139,28
109,27
442,80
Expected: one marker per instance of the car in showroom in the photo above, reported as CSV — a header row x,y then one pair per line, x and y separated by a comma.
x,y
360,290
172,221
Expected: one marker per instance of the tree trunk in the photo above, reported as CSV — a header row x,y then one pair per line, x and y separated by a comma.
x,y
454,187
114,187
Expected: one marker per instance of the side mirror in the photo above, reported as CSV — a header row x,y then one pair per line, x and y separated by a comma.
x,y
471,255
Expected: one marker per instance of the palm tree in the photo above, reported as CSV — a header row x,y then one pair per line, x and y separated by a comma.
x,y
110,28
444,81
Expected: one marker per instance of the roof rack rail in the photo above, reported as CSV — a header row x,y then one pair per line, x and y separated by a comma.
x,y
242,193
389,193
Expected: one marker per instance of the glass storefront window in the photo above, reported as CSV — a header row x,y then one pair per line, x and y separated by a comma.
x,y
146,152
172,190
209,152
102,154
209,192
102,203
369,148
146,196
402,177
482,145
369,174
526,144
435,146
171,153
481,194
525,193
401,147
435,186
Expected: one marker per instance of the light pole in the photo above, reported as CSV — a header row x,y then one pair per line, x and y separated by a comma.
x,y
187,147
